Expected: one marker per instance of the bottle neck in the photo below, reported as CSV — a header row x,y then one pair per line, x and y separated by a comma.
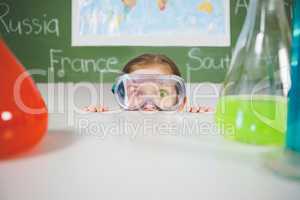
x,y
268,5
267,16
267,8
296,45
296,22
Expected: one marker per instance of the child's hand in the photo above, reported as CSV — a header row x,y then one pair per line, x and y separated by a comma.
x,y
200,109
93,108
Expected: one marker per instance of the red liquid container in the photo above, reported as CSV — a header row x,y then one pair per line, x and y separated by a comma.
x,y
23,113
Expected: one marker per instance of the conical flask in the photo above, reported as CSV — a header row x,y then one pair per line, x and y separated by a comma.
x,y
23,113
253,101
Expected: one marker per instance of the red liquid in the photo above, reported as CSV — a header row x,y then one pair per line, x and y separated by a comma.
x,y
21,126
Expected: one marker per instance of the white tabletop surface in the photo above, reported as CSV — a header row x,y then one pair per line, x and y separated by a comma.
x,y
144,162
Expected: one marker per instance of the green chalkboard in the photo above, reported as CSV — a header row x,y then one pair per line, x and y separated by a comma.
x,y
39,33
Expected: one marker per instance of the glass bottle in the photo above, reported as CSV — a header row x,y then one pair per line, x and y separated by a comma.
x,y
23,112
293,130
287,162
253,100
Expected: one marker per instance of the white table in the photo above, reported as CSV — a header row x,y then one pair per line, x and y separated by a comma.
x,y
107,163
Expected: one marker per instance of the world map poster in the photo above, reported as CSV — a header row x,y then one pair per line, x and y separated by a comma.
x,y
151,22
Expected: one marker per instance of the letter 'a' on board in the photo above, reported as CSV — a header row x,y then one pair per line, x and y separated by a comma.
x,y
253,103
23,113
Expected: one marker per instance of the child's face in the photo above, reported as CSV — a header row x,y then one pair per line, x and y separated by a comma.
x,y
162,95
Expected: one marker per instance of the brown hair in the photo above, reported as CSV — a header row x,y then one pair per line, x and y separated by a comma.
x,y
146,59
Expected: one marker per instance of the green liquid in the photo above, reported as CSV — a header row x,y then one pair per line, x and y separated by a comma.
x,y
257,120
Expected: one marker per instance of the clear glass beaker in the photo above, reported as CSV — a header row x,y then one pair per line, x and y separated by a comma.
x,y
253,101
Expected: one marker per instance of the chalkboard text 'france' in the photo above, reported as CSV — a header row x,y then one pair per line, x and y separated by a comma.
x,y
63,63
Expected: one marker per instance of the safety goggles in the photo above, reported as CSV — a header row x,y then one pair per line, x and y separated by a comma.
x,y
141,91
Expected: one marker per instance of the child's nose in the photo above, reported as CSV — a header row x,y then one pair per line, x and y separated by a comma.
x,y
149,107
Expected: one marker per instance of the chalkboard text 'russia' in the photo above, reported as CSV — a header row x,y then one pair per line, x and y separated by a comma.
x,y
41,25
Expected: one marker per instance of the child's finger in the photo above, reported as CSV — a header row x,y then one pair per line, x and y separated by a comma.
x,y
98,109
92,108
202,109
101,109
206,109
193,110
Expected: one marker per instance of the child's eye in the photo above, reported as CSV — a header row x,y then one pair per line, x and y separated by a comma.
x,y
163,93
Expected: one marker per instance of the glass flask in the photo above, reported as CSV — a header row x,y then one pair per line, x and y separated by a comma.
x,y
287,162
293,130
252,107
23,113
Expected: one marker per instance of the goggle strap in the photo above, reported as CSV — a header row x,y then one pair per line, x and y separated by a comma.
x,y
113,88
